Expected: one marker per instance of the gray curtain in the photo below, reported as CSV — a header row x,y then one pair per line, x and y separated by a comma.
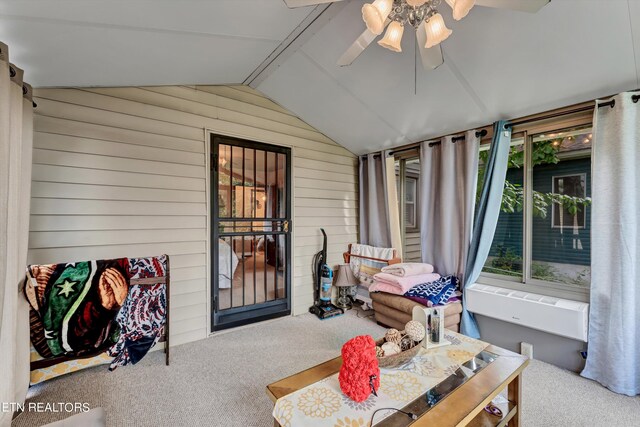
x,y
16,142
448,178
614,320
486,217
374,201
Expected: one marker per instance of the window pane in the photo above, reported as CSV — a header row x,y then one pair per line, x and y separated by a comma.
x,y
573,186
410,215
411,249
410,203
505,255
411,190
224,182
561,243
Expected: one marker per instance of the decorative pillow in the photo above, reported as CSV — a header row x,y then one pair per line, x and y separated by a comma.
x,y
437,292
359,375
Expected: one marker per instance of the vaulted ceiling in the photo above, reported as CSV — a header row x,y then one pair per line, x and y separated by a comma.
x,y
143,42
498,63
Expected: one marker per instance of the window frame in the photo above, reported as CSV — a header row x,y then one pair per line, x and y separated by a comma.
x,y
553,210
525,283
416,226
401,175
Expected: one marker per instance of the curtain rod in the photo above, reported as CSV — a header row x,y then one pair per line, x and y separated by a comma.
x,y
12,74
479,134
612,103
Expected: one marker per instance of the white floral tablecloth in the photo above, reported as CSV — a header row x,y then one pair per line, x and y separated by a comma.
x,y
324,404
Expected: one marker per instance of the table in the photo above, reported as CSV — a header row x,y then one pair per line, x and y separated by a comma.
x,y
463,407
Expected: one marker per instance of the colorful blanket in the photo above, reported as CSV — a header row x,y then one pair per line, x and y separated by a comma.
x,y
437,292
142,317
73,305
363,268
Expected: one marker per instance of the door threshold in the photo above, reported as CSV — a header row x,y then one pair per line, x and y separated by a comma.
x,y
248,325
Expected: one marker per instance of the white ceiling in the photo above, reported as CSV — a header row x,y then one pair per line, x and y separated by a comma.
x,y
498,63
143,42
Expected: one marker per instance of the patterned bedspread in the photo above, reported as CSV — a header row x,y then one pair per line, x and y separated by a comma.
x,y
143,314
73,305
86,308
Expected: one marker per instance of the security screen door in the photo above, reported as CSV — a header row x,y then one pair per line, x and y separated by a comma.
x,y
250,231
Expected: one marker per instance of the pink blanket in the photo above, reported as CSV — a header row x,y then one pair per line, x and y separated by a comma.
x,y
408,269
385,282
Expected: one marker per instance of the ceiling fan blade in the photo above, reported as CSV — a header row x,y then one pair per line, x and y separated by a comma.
x,y
361,43
530,6
431,58
292,4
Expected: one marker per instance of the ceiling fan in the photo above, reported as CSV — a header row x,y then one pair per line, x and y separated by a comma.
x,y
422,15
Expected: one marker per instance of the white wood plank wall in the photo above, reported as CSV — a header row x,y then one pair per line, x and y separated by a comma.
x,y
122,172
412,251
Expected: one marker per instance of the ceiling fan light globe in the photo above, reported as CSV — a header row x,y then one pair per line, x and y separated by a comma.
x,y
461,8
375,14
416,3
392,39
436,30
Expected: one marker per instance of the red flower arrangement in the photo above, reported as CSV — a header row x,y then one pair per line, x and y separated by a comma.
x,y
359,375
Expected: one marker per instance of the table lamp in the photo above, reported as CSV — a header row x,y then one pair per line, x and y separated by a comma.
x,y
345,279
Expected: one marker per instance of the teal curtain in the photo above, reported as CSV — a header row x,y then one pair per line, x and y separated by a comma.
x,y
486,218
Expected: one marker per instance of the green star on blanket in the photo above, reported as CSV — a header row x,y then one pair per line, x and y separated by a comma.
x,y
66,288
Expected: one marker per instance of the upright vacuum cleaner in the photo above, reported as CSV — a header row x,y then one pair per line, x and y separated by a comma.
x,y
322,281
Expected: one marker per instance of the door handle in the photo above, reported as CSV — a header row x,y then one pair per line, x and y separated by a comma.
x,y
285,226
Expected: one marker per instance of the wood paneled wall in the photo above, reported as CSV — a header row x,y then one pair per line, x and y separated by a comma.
x,y
412,250
123,172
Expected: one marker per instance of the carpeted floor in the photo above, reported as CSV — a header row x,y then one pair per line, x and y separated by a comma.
x,y
221,381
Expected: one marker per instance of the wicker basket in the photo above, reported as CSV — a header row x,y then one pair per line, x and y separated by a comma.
x,y
399,359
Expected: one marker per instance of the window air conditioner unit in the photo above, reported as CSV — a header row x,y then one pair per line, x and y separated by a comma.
x,y
548,314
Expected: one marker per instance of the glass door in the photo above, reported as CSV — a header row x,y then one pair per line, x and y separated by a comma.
x,y
251,222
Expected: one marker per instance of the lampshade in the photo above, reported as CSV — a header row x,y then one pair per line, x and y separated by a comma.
x,y
461,8
375,14
345,276
393,37
416,3
437,31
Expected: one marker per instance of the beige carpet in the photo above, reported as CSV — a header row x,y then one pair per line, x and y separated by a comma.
x,y
221,381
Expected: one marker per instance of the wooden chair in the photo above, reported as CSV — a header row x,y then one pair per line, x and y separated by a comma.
x,y
347,257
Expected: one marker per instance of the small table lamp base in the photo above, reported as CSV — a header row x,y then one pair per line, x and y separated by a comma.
x,y
344,300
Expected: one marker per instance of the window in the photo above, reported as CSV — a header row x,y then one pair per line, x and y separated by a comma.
x,y
410,211
572,186
543,233
410,200
407,182
505,256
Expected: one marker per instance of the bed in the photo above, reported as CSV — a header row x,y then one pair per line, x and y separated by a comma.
x,y
227,265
